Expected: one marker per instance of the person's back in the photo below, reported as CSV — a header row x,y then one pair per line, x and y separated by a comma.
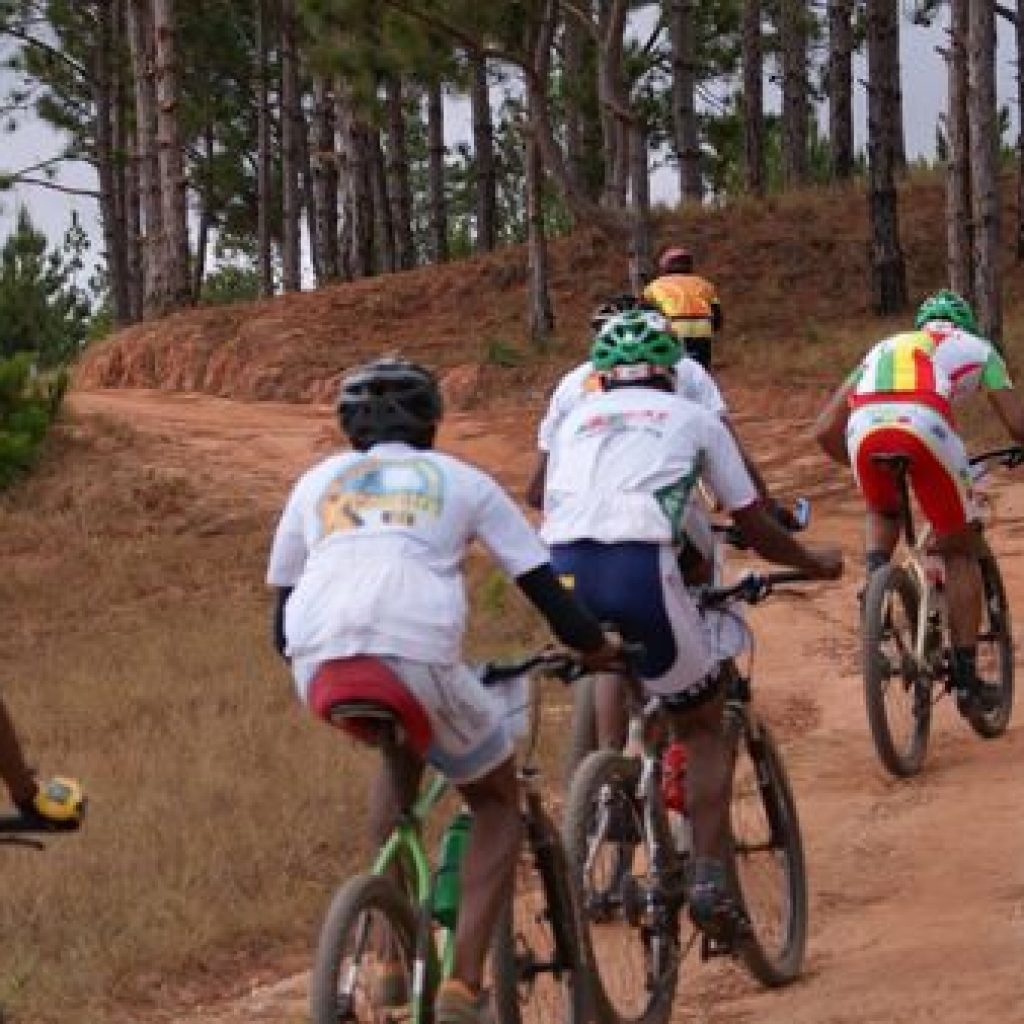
x,y
690,302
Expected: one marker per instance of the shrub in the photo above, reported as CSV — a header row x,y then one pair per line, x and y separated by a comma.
x,y
29,402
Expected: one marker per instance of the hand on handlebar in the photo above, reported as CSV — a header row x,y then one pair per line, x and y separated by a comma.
x,y
826,562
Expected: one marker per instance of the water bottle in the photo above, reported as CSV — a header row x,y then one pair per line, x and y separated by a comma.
x,y
446,884
673,777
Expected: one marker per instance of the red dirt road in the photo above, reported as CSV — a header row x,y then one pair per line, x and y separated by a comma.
x,y
917,888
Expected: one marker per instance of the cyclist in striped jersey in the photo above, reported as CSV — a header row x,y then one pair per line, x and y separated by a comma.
x,y
899,400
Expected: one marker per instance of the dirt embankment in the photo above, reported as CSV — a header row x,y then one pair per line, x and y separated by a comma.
x,y
792,272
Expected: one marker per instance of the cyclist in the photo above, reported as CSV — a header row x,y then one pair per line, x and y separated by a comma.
x,y
54,804
367,561
899,400
623,467
689,301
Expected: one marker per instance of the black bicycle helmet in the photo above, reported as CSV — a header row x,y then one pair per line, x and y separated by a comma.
x,y
390,400
613,307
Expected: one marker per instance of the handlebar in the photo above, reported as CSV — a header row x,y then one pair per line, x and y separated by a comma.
x,y
1011,457
752,588
562,664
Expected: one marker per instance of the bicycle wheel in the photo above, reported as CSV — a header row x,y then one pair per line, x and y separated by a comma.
x,y
364,960
583,730
768,860
995,650
896,690
635,965
535,981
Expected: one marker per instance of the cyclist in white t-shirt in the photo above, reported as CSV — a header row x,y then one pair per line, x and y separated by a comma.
x,y
692,382
622,471
367,559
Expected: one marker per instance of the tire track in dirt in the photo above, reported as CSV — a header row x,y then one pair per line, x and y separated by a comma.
x,y
917,888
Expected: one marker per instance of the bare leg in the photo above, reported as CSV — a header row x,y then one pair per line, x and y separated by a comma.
x,y
13,769
487,873
708,777
882,532
963,596
394,789
610,704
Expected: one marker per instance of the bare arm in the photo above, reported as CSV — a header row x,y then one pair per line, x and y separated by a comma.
x,y
535,488
748,461
775,544
1009,407
830,426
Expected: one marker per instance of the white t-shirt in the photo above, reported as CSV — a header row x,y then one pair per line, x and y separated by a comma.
x,y
623,464
373,544
693,383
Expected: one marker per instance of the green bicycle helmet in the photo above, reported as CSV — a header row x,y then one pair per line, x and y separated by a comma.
x,y
636,336
946,305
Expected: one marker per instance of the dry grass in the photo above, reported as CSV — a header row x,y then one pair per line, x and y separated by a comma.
x,y
136,656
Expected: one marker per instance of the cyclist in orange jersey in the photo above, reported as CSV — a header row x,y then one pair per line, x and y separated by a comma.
x,y
689,301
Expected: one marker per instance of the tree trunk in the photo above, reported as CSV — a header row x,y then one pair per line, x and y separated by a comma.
x,y
541,317
984,132
205,213
291,211
126,184
107,163
483,155
324,161
1020,131
642,247
173,183
840,86
264,182
611,94
895,126
795,103
436,172
364,263
888,272
753,99
683,35
384,226
345,146
582,111
151,236
399,186
959,233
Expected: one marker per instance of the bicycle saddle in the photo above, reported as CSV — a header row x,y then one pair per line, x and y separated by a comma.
x,y
363,697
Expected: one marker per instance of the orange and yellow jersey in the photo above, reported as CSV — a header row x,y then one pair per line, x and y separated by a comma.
x,y
687,300
935,366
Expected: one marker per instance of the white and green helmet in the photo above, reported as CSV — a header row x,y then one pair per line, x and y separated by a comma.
x,y
636,336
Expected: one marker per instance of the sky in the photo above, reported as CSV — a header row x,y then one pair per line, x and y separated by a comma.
x,y
924,93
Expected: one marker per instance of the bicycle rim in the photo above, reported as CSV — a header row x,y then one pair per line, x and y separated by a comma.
x,y
535,981
363,971
897,693
995,650
768,861
634,965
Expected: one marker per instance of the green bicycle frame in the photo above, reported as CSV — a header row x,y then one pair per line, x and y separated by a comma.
x,y
404,848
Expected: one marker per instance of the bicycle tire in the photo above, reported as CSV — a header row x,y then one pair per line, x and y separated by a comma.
x,y
779,961
996,625
525,938
888,586
358,897
625,992
583,726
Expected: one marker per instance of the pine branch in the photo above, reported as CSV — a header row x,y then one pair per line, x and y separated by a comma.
x,y
9,181
51,51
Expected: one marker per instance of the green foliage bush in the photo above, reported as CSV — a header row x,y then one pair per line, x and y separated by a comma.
x,y
29,402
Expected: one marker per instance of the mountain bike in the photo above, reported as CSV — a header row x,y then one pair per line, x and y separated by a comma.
x,y
631,860
906,646
374,925
583,727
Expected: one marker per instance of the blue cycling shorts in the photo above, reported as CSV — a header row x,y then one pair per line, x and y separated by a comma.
x,y
637,588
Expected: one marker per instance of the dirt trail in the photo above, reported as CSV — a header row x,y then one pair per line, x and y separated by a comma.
x,y
917,888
